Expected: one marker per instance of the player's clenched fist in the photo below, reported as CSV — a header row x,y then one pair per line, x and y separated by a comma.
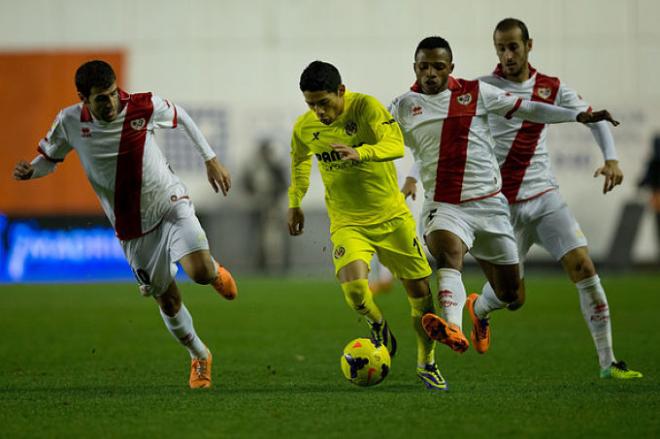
x,y
23,170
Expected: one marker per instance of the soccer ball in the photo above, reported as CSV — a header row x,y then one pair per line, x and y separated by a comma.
x,y
364,363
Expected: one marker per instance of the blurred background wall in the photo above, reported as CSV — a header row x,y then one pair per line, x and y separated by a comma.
x,y
235,66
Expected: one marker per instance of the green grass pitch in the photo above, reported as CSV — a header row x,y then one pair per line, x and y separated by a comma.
x,y
96,361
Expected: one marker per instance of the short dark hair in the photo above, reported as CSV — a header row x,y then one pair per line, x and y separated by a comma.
x,y
434,43
511,23
320,76
95,73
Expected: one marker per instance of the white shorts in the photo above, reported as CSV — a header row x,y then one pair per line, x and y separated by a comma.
x,y
483,226
153,256
546,221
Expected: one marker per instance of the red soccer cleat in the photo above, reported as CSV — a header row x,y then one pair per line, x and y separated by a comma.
x,y
446,333
480,334
225,283
200,372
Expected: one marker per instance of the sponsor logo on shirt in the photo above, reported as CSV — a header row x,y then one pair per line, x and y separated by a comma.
x,y
138,124
316,135
416,110
544,92
350,128
328,156
464,99
333,156
85,132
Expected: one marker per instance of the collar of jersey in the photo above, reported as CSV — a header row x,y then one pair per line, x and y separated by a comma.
x,y
498,71
452,84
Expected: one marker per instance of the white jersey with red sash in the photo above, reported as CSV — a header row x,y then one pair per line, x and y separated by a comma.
x,y
520,145
449,136
122,161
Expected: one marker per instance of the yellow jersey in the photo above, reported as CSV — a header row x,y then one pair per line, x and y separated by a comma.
x,y
363,192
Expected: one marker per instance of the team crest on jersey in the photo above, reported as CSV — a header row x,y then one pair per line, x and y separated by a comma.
x,y
416,110
85,132
138,124
339,252
350,128
544,92
464,99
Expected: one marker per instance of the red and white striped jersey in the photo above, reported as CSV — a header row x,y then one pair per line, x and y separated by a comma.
x,y
449,135
125,166
520,146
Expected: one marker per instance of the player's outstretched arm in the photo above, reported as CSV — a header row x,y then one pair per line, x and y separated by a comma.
x,y
23,170
596,116
508,106
296,221
218,176
612,173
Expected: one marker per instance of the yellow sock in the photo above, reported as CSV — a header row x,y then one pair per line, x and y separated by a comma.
x,y
425,346
359,297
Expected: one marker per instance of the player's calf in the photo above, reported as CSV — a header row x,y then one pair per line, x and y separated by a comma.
x,y
578,264
199,266
204,274
520,301
170,301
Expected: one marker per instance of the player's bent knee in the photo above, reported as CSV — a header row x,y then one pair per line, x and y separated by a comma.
x,y
578,264
356,293
417,288
583,269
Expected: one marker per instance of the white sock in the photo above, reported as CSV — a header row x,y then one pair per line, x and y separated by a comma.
x,y
451,294
597,315
181,327
487,302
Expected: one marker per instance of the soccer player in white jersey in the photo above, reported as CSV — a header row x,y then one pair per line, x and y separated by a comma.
x,y
444,121
148,206
538,213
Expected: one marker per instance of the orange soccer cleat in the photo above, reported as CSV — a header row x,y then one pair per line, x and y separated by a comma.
x,y
200,372
480,334
446,333
225,283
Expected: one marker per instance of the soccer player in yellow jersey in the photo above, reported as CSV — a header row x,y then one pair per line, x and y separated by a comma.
x,y
355,139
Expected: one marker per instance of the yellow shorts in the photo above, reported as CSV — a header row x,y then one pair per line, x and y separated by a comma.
x,y
395,242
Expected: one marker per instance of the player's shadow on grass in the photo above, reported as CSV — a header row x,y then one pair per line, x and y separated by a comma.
x,y
339,387
156,390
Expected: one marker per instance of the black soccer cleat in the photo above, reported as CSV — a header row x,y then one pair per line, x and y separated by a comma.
x,y
381,334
